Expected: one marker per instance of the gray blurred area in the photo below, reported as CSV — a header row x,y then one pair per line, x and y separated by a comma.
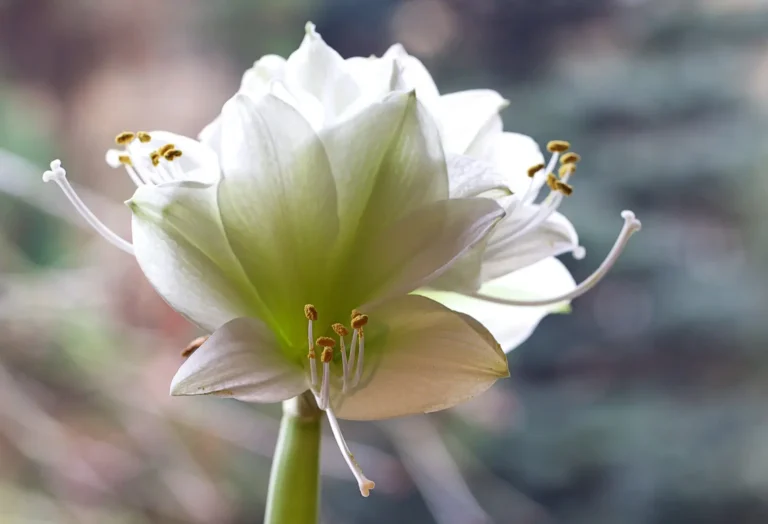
x,y
645,405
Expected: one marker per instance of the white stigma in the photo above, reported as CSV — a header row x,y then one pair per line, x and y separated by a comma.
x,y
363,482
59,175
631,226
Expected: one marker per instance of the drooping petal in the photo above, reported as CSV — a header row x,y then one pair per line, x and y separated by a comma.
x,y
387,162
277,201
513,325
319,70
418,248
181,247
420,357
505,252
241,360
512,154
463,115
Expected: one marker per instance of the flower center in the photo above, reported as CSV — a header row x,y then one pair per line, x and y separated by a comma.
x,y
144,163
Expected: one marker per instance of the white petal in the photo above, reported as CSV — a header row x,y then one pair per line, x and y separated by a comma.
x,y
418,248
420,357
463,115
181,247
469,177
413,75
512,154
277,202
240,360
509,324
257,80
319,70
198,162
505,254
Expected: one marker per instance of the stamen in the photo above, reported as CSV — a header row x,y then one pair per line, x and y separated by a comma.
x,y
59,175
154,156
352,350
555,146
125,138
311,314
570,158
125,160
363,482
342,332
326,357
535,169
144,137
552,182
564,188
631,226
357,323
566,170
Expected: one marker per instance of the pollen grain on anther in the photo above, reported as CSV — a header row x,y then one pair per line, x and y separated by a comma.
x,y
327,354
125,138
535,169
340,329
167,147
144,137
310,312
125,160
154,156
566,170
359,321
326,342
193,346
570,158
558,146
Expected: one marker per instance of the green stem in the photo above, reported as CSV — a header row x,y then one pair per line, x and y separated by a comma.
x,y
294,483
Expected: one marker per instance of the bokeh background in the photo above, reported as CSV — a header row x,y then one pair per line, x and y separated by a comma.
x,y
645,405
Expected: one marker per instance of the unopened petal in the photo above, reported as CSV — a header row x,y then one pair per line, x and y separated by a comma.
x,y
241,360
421,357
180,245
510,325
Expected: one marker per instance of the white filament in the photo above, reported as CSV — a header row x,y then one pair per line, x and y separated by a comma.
x,y
325,388
360,355
312,361
631,226
364,483
352,349
344,370
59,175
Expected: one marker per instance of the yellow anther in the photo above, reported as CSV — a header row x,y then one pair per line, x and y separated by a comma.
x,y
171,154
535,169
167,147
564,188
359,321
571,158
552,182
558,146
327,355
310,312
125,138
155,157
193,346
340,330
144,137
566,169
311,354
125,160
326,342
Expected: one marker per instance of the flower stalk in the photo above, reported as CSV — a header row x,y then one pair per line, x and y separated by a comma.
x,y
294,484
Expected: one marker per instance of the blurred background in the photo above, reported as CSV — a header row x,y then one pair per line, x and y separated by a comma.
x,y
645,405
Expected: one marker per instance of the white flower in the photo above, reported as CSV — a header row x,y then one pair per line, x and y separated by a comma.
x,y
482,160
291,235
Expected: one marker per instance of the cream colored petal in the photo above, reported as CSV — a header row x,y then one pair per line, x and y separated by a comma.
x,y
181,247
420,357
277,201
512,325
511,154
505,253
241,360
464,115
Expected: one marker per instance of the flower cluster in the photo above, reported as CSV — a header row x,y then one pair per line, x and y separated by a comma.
x,y
344,228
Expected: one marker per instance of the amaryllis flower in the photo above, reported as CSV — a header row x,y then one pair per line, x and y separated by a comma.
x,y
299,249
512,279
